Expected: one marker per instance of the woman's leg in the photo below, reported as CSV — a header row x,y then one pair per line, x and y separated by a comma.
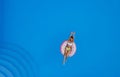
x,y
66,54
65,57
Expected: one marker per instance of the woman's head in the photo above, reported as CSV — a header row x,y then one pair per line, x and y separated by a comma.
x,y
71,39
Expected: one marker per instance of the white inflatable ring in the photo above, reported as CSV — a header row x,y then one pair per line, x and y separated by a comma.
x,y
63,48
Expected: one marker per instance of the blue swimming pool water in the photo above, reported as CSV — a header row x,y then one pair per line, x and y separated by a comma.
x,y
31,32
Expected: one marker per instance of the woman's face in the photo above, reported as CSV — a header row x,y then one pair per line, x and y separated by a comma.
x,y
71,39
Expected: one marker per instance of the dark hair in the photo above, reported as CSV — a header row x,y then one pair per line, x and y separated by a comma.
x,y
72,37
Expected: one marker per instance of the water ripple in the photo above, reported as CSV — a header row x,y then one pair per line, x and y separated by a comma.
x,y
15,61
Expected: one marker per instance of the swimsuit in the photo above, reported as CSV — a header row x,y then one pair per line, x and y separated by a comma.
x,y
69,46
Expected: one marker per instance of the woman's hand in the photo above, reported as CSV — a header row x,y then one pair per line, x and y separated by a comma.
x,y
72,33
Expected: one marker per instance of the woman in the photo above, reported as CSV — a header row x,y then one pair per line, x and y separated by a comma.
x,y
68,48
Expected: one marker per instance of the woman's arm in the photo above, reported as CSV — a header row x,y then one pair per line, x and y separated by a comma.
x,y
72,34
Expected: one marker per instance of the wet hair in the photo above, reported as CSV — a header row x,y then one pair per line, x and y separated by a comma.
x,y
72,37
